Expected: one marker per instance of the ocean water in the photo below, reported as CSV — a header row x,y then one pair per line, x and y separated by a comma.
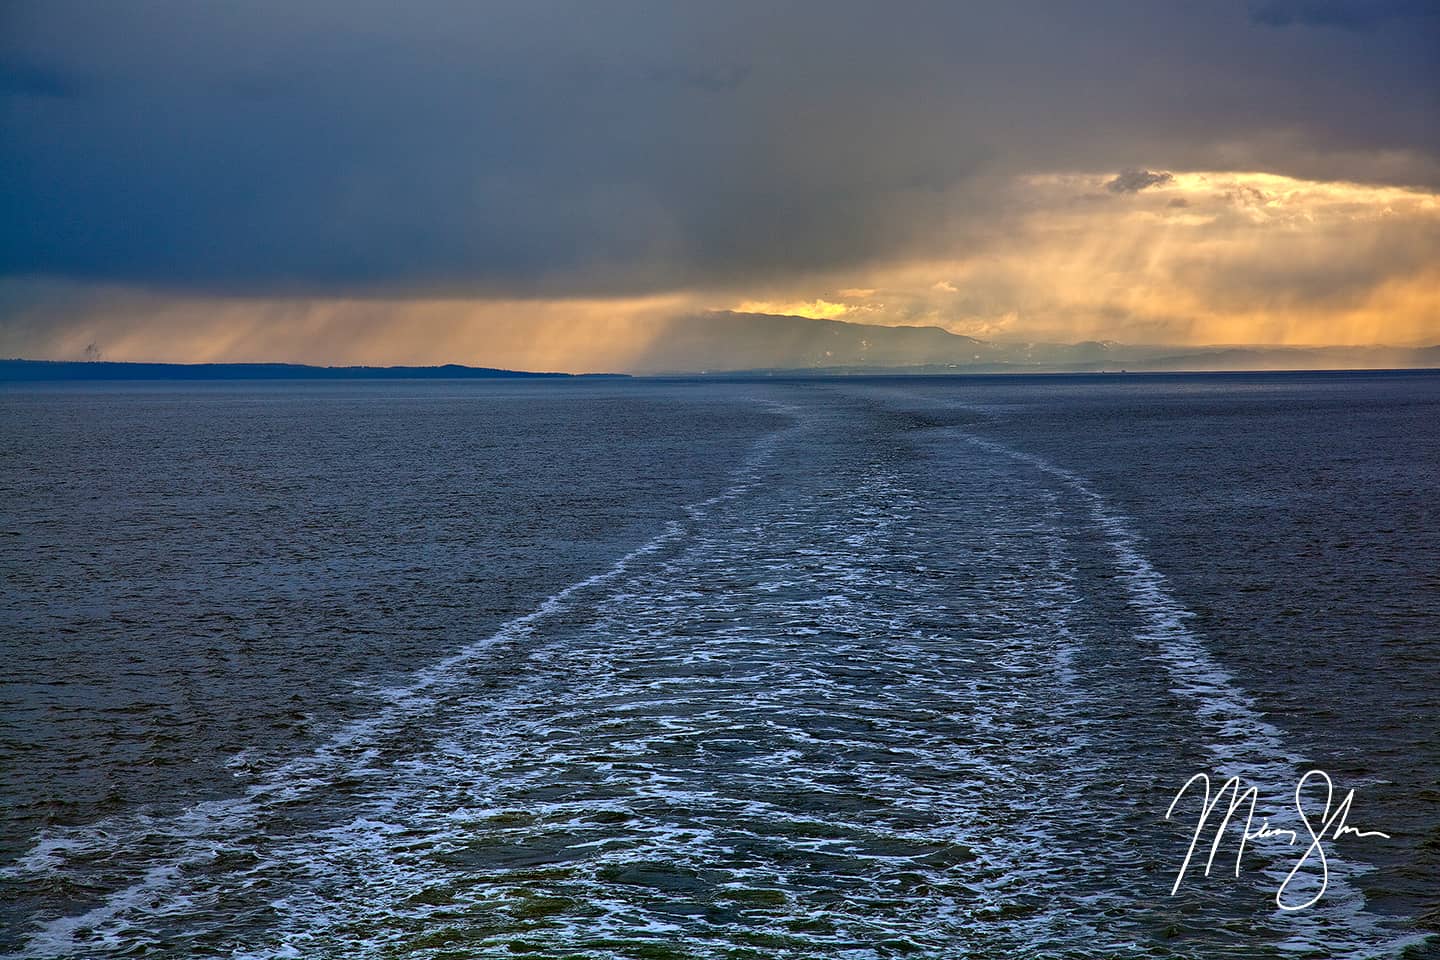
x,y
815,668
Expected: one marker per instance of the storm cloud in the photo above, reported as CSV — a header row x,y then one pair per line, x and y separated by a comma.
x,y
1344,14
565,149
1133,181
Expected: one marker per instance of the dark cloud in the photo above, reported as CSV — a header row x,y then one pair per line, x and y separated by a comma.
x,y
1134,180
20,79
1344,14
550,147
716,79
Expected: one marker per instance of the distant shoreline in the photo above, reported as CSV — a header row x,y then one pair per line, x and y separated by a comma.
x,y
16,370
997,372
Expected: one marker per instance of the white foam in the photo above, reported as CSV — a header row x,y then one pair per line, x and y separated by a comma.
x,y
1244,743
504,744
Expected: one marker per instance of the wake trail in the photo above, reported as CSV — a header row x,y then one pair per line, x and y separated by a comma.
x,y
199,828
1242,742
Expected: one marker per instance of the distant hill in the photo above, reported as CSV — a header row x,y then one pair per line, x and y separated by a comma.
x,y
35,370
725,342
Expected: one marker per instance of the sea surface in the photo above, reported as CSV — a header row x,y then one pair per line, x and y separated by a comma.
x,y
850,668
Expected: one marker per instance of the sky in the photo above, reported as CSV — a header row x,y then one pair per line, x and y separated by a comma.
x,y
543,184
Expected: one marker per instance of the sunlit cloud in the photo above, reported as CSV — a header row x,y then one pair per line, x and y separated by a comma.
x,y
814,309
1197,257
570,335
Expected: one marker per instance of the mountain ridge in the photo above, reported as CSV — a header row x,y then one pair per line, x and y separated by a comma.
x,y
727,342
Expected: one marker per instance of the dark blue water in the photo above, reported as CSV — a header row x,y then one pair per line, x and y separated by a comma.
x,y
844,668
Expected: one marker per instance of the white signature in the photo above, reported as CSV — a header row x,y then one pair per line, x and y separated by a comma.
x,y
1332,825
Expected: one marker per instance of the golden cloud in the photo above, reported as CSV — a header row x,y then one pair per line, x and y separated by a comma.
x,y
814,309
1194,258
